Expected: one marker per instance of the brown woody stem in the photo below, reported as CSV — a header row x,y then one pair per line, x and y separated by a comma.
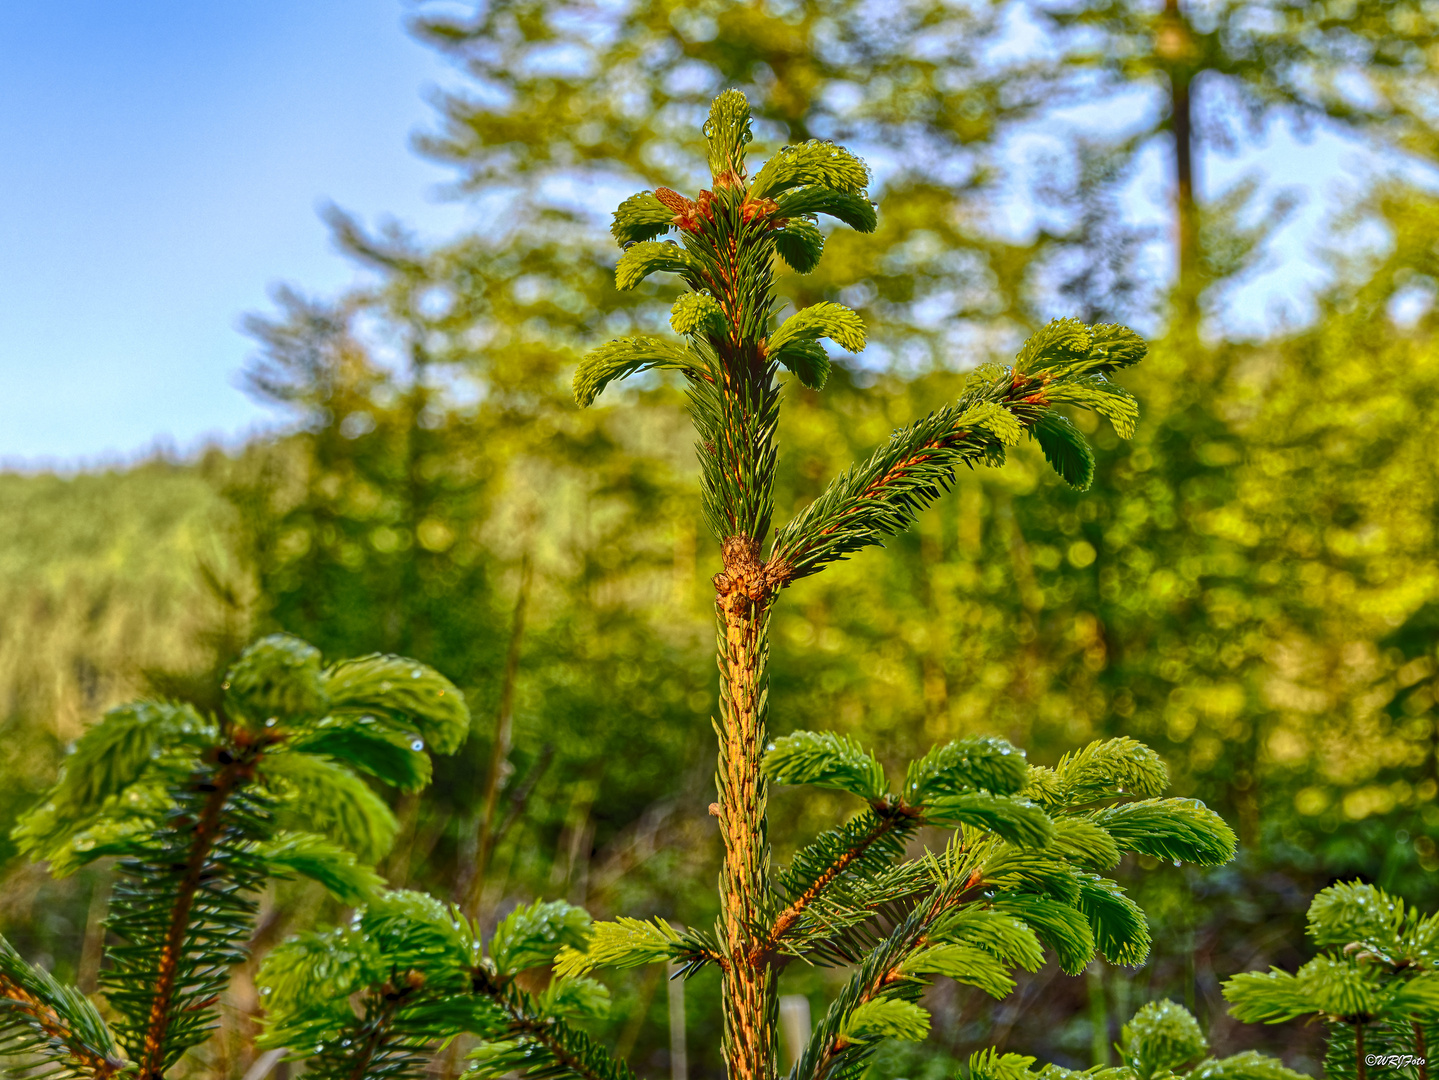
x,y
786,919
750,1005
53,1025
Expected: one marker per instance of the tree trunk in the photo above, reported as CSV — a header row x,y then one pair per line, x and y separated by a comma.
x,y
1174,45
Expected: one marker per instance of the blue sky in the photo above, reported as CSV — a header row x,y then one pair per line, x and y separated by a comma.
x,y
162,167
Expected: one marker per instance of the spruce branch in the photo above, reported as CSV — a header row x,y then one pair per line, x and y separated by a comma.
x,y
872,841
800,244
56,1024
639,218
826,760
375,999
653,257
626,357
815,162
841,1044
854,210
202,811
183,918
884,495
1161,1040
834,321
1378,993
1174,829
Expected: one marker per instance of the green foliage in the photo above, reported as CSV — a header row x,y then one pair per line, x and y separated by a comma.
x,y
114,782
992,1065
1161,1037
882,1017
808,360
1378,994
854,210
1086,844
322,796
1066,349
692,313
963,964
1007,938
531,936
1105,769
1066,450
976,763
372,999
1171,829
402,695
800,244
834,321
52,1025
727,132
621,359
381,752
623,943
826,760
815,162
1015,820
652,257
639,218
279,675
316,858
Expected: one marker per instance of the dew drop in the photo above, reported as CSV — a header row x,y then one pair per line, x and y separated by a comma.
x,y
771,746
1176,862
418,744
416,673
270,722
224,686
265,991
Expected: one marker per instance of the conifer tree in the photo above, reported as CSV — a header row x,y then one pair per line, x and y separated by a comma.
x,y
200,811
1162,1041
1020,868
1375,986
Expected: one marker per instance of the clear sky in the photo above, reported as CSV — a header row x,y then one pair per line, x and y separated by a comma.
x,y
162,161
161,164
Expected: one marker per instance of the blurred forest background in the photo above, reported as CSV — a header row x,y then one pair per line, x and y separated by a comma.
x,y
1252,586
